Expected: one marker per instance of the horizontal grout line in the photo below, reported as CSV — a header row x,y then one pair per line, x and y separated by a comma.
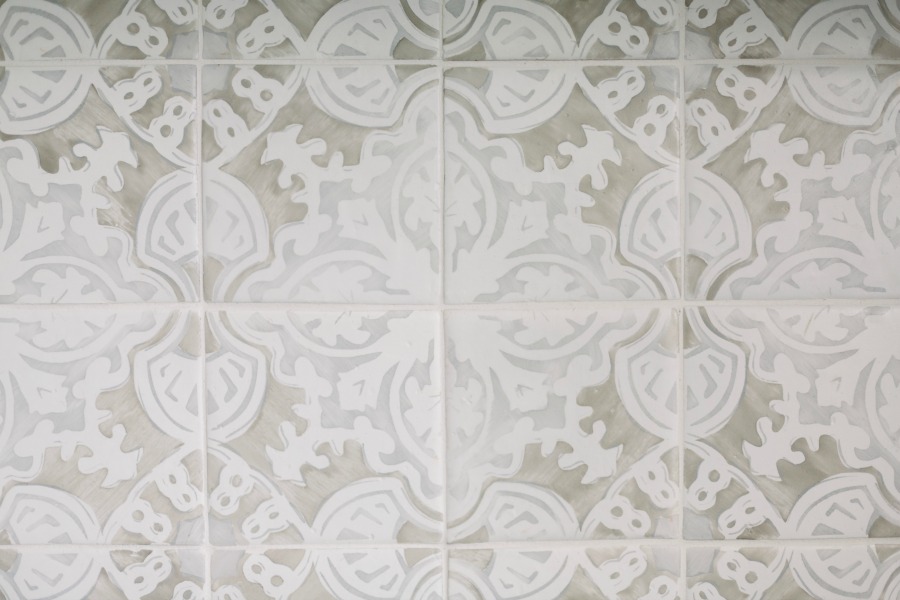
x,y
676,542
449,63
486,307
499,545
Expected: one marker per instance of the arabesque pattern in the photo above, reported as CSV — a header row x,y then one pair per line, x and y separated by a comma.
x,y
449,299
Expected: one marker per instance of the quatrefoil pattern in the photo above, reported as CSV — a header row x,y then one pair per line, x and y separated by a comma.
x,y
449,299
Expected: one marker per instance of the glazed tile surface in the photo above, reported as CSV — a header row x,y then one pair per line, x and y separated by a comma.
x,y
792,181
61,30
102,445
333,29
321,184
99,184
415,574
449,299
637,572
545,434
349,405
561,184
560,30
783,444
801,29
827,571
61,573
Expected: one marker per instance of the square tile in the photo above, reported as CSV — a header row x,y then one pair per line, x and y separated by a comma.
x,y
565,574
561,425
793,180
99,433
804,572
333,29
560,29
97,184
792,426
321,184
561,184
800,29
61,30
324,427
411,574
30,574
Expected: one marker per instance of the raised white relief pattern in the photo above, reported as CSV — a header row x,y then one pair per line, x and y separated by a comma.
x,y
449,299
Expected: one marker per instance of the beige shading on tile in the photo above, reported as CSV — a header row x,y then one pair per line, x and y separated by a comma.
x,y
566,573
61,30
560,184
560,29
752,29
790,426
62,573
333,29
313,199
349,407
398,573
98,184
827,572
792,181
561,425
103,444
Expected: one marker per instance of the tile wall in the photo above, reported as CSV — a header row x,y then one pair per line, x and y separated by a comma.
x,y
450,299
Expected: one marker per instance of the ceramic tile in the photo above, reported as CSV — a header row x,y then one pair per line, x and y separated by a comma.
x,y
799,29
29,574
793,181
369,574
333,29
561,184
566,574
449,299
321,183
100,438
561,425
97,184
324,427
792,422
61,30
560,29
801,573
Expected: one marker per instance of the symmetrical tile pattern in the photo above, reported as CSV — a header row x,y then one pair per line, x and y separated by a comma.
x,y
783,444
101,434
561,184
99,191
449,299
793,181
321,183
561,425
324,427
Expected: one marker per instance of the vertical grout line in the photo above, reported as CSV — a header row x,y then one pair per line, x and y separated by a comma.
x,y
444,445
201,400
680,393
442,333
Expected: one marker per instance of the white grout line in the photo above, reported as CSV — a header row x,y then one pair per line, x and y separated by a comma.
x,y
449,63
349,545
680,392
585,305
202,397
